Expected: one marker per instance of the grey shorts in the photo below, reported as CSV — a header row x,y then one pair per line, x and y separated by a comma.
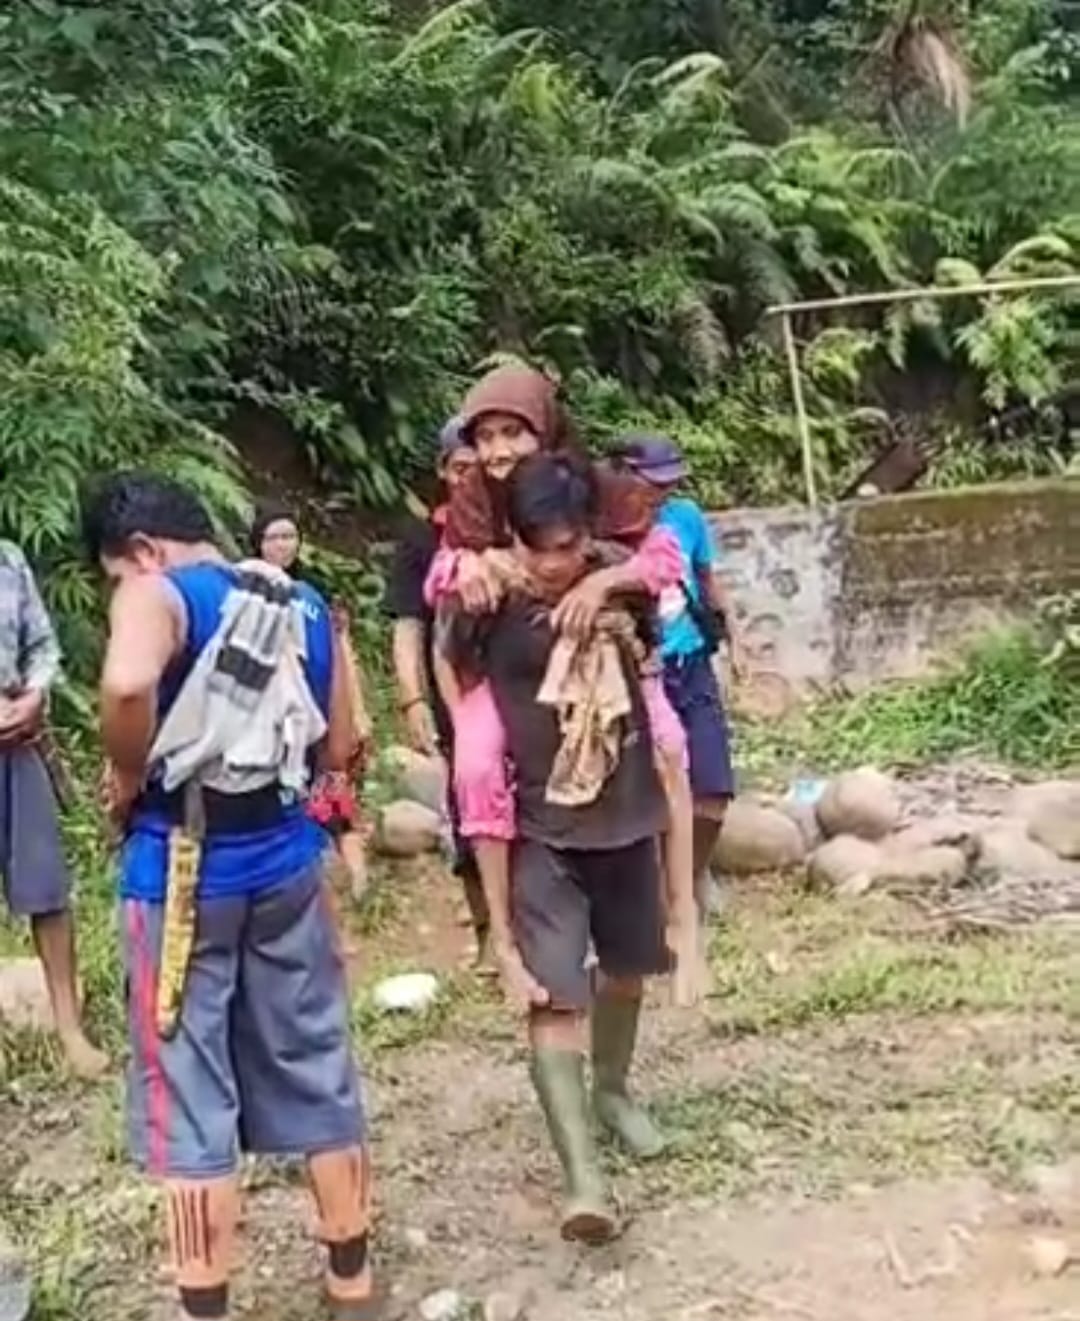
x,y
560,898
36,877
262,1059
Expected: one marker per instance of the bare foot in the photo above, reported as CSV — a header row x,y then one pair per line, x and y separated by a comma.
x,y
358,882
84,1061
484,963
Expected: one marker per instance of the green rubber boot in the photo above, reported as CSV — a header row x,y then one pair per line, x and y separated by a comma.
x,y
614,1035
559,1079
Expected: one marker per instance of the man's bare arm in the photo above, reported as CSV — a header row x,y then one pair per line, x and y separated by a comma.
x,y
146,630
338,743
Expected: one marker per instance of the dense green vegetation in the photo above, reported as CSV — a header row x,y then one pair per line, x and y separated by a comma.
x,y
1014,698
336,210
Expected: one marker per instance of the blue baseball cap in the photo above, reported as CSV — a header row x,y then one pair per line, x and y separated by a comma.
x,y
451,438
655,458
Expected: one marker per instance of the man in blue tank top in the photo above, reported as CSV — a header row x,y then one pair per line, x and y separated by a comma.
x,y
259,1058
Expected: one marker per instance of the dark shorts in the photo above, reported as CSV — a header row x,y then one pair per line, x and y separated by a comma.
x,y
36,877
560,898
692,690
262,1059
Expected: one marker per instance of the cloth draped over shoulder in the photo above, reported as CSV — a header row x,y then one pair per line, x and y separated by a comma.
x,y
585,683
245,716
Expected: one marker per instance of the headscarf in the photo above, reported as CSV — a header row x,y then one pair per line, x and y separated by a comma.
x,y
450,439
266,513
476,519
521,391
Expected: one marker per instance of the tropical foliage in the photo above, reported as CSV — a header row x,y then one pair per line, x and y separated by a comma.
x,y
332,212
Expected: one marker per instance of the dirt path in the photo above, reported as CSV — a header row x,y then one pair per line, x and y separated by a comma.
x,y
823,1233
865,1125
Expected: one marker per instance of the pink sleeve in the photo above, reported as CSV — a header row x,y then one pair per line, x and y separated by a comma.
x,y
442,576
658,561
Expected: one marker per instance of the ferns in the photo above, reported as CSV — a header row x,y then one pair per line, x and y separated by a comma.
x,y
315,209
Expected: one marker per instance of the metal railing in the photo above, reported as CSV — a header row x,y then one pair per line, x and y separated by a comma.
x,y
786,311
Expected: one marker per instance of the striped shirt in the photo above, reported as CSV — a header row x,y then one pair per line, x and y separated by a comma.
x,y
29,651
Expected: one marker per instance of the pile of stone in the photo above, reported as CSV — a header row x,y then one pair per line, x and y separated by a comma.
x,y
856,836
414,821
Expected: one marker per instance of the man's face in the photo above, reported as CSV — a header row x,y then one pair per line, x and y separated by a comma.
x,y
457,465
143,555
502,440
656,492
557,561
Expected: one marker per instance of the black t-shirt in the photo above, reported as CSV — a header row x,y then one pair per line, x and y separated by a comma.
x,y
404,599
417,543
512,649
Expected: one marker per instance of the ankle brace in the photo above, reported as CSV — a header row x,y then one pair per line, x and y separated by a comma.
x,y
209,1304
349,1257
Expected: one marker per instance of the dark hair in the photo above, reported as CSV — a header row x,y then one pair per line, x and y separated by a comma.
x,y
128,504
546,491
267,512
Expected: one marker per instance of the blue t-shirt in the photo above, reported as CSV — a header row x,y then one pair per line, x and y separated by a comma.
x,y
679,635
236,863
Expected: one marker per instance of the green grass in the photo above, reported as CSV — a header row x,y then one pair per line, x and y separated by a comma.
x,y
998,701
809,958
842,1046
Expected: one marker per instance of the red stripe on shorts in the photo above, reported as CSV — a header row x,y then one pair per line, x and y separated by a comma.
x,y
144,989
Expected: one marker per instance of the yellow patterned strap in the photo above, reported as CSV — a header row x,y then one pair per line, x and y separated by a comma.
x,y
185,854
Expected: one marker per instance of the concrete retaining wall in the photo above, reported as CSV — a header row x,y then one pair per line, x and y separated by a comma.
x,y
874,589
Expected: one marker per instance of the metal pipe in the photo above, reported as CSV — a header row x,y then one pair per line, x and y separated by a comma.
x,y
931,291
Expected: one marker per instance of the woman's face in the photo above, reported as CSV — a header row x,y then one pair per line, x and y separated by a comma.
x,y
502,440
281,543
457,465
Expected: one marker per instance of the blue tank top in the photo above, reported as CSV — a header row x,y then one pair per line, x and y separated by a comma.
x,y
232,864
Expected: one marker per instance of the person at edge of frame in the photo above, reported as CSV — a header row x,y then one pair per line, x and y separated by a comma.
x,y
37,882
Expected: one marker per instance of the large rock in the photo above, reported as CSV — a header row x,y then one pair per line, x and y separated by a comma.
x,y
1052,814
418,778
758,839
407,829
933,865
14,1282
805,817
949,828
24,997
1008,849
845,864
862,803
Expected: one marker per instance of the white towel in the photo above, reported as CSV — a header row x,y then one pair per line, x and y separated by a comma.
x,y
245,716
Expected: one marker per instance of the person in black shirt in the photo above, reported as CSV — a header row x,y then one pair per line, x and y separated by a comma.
x,y
427,722
578,873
